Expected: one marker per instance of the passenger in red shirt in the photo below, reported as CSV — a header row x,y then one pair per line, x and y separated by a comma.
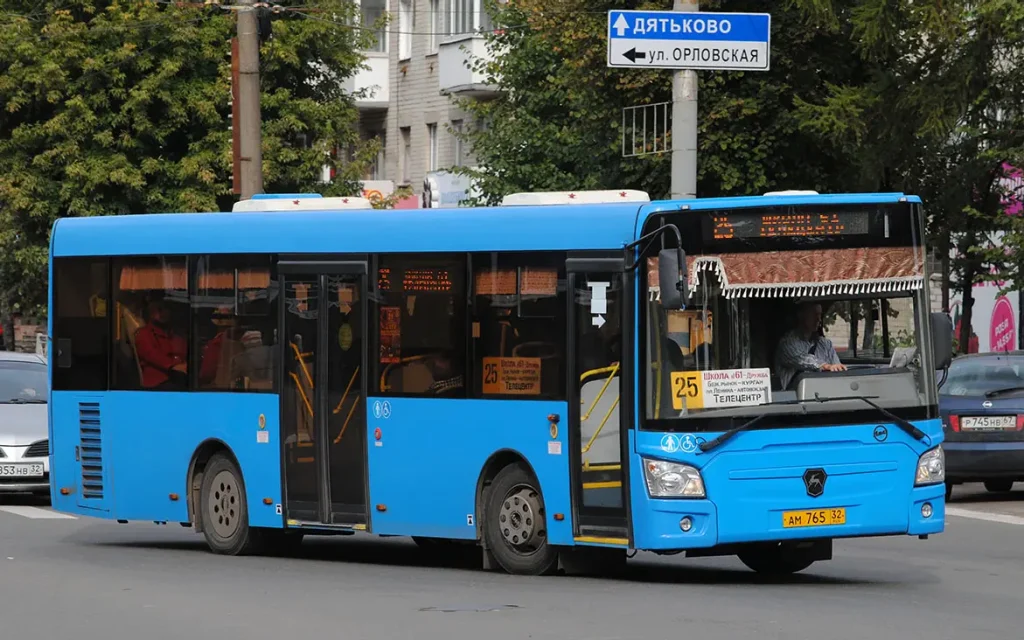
x,y
161,353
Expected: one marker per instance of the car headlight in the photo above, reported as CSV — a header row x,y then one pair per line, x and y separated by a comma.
x,y
931,467
672,480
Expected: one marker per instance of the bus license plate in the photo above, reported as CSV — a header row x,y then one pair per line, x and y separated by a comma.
x,y
21,470
813,518
988,423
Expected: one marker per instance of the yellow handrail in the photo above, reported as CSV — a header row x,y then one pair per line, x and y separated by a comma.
x,y
601,426
347,389
612,370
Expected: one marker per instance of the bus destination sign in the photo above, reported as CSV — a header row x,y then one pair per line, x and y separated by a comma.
x,y
744,224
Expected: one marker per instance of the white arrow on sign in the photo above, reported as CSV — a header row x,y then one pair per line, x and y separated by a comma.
x,y
621,25
598,321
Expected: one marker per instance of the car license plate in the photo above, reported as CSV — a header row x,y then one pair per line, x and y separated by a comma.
x,y
988,423
813,517
21,470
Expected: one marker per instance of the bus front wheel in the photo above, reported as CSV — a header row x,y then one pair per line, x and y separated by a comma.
x,y
225,514
516,524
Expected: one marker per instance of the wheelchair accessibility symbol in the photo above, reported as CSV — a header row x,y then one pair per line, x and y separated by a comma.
x,y
688,443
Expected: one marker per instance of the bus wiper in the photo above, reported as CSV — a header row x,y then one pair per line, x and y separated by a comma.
x,y
998,392
905,425
23,401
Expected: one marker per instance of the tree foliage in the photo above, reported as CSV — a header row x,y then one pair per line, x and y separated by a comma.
x,y
122,106
559,121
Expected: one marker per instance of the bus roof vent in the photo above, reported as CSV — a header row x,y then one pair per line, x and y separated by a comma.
x,y
793,192
299,202
575,197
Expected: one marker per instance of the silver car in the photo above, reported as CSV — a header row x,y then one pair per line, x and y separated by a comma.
x,y
24,432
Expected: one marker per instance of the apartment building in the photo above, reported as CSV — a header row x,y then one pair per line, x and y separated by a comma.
x,y
416,67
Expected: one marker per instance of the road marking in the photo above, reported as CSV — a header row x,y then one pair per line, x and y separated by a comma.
x,y
36,513
981,515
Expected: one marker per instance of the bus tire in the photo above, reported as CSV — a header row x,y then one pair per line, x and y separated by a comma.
x,y
515,524
999,486
776,561
225,512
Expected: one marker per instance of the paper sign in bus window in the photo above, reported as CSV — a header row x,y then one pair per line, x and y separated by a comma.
x,y
720,389
511,376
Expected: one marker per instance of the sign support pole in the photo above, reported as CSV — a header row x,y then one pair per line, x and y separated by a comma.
x,y
684,124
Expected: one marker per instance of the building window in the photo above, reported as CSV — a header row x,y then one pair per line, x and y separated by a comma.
x,y
432,147
421,320
437,25
519,325
81,329
151,323
461,16
405,28
406,159
457,142
372,12
235,314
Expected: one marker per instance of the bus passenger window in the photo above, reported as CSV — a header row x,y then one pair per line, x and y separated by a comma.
x,y
151,323
81,331
421,324
235,316
518,325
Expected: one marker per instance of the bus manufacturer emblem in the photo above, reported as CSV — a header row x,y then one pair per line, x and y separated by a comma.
x,y
814,481
881,433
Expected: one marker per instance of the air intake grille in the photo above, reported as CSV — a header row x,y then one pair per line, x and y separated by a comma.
x,y
39,449
91,450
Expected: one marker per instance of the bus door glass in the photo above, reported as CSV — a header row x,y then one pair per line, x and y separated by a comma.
x,y
323,413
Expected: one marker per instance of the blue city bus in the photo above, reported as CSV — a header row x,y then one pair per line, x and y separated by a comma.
x,y
562,381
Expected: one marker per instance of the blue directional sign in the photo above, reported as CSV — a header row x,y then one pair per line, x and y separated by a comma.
x,y
689,40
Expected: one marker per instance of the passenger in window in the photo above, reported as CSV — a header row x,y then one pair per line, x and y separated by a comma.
x,y
446,381
161,352
219,351
255,365
805,348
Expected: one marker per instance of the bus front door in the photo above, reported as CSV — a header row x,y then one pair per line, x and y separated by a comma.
x,y
598,406
323,409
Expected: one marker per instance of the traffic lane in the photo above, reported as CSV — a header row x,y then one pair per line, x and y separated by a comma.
x,y
87,578
973,495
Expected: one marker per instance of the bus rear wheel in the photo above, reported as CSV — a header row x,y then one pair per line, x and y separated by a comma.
x,y
225,512
516,524
776,560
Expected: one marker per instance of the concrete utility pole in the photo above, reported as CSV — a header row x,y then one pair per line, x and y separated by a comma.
x,y
684,124
251,142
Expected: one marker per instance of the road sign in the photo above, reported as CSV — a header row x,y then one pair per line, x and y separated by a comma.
x,y
696,40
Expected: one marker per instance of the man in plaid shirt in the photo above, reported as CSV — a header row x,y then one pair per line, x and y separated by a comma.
x,y
804,348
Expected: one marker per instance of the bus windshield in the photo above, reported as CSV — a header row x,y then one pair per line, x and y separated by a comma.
x,y
777,324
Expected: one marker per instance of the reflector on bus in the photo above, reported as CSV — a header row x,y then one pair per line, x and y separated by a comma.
x,y
299,202
574,197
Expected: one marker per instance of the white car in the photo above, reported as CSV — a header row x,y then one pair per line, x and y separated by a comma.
x,y
24,432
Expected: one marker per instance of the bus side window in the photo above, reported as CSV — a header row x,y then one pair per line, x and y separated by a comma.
x,y
421,326
519,325
81,331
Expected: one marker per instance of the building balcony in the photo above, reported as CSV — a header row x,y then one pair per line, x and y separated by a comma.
x,y
373,80
456,58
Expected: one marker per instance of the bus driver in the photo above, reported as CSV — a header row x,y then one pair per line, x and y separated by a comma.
x,y
804,348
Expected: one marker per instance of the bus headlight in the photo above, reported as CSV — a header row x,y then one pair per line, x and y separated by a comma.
x,y
672,480
931,467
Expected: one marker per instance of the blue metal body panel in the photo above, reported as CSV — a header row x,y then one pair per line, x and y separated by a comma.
x,y
148,443
432,451
426,467
752,478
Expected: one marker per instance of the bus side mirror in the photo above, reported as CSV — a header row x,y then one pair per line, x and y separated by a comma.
x,y
942,340
671,279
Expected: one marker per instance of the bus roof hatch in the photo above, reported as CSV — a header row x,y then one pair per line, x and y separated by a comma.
x,y
574,197
299,202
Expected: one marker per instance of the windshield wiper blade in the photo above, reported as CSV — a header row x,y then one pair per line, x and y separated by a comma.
x,y
903,424
998,392
23,401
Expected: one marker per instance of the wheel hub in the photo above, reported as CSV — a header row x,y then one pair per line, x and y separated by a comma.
x,y
518,518
223,501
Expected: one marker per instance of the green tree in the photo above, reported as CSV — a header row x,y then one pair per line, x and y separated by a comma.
x,y
558,123
941,116
121,106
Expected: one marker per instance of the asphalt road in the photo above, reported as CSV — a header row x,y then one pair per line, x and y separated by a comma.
x,y
84,579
